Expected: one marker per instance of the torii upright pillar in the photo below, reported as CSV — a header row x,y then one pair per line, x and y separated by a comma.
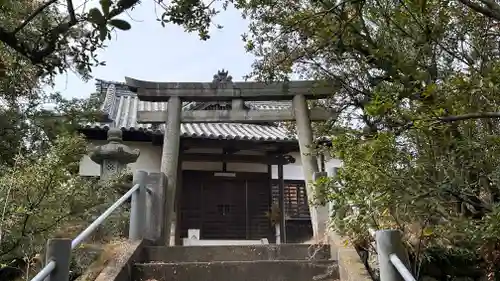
x,y
319,214
169,166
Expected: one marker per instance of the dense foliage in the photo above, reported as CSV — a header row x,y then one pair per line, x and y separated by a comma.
x,y
418,131
42,197
55,35
41,193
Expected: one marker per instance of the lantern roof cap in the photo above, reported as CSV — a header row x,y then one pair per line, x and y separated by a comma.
x,y
114,150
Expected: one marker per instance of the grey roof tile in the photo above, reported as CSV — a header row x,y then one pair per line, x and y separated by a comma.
x,y
121,106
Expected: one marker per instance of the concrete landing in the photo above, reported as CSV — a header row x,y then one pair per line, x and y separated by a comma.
x,y
237,253
232,270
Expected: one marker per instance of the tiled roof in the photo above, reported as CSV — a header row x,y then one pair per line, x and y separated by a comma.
x,y
121,106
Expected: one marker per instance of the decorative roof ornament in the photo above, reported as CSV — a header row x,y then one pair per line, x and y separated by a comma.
x,y
109,99
222,79
113,156
108,103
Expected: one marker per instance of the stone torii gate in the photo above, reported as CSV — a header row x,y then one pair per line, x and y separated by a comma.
x,y
222,88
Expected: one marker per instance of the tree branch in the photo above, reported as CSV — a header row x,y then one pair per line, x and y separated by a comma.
x,y
492,5
19,239
33,15
478,115
10,40
449,119
53,224
53,36
39,56
34,55
480,9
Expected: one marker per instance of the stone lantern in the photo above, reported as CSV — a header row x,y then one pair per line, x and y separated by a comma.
x,y
113,156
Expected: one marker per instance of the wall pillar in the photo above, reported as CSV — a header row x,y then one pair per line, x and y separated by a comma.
x,y
169,165
319,214
281,203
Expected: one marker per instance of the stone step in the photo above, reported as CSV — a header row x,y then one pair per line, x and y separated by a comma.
x,y
288,270
237,253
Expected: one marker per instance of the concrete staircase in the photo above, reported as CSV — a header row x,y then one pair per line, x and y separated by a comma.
x,y
285,262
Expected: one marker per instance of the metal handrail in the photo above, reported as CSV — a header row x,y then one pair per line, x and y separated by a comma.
x,y
401,268
47,270
84,234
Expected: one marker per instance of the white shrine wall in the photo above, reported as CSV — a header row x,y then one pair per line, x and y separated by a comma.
x,y
150,158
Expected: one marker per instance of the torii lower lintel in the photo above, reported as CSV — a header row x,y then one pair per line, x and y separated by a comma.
x,y
234,116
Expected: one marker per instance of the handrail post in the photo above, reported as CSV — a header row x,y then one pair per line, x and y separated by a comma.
x,y
390,242
155,208
59,251
138,207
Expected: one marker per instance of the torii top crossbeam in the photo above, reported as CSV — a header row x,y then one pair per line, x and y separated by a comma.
x,y
222,88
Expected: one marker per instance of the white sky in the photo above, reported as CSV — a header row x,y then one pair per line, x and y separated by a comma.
x,y
149,51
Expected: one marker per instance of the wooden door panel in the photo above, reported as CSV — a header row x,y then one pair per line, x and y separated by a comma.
x,y
258,196
223,210
191,203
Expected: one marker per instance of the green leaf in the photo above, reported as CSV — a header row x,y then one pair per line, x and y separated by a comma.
x,y
427,231
429,90
103,32
120,24
95,16
127,4
105,4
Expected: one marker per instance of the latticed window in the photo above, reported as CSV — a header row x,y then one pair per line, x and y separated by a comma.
x,y
295,197
110,166
218,106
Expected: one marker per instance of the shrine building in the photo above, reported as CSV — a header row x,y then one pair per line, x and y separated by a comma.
x,y
229,174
